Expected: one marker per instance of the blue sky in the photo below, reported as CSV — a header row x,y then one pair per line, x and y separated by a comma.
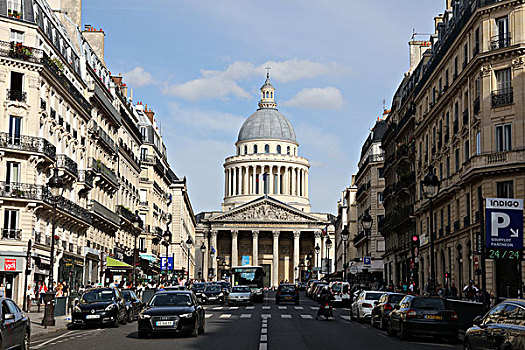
x,y
199,65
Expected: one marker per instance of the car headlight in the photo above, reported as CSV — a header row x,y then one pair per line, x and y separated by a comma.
x,y
110,307
144,316
77,309
198,293
221,295
186,315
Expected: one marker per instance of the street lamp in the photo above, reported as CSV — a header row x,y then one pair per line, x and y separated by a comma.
x,y
189,242
56,186
431,190
328,244
317,250
137,223
203,251
367,225
345,234
166,238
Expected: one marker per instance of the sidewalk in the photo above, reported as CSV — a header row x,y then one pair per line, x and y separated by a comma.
x,y
38,330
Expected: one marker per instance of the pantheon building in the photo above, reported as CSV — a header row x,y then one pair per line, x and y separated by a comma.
x,y
265,218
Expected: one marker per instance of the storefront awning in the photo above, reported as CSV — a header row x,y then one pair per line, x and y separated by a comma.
x,y
110,262
149,257
377,265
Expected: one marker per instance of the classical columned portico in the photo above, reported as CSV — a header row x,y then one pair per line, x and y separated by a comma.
x,y
275,281
255,248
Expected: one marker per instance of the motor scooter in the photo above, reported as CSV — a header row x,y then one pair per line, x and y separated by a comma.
x,y
326,310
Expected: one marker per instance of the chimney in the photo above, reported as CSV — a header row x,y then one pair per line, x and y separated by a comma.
x,y
95,38
71,8
150,114
417,48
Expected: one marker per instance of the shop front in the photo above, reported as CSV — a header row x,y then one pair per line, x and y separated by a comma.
x,y
11,276
117,272
91,266
71,271
41,266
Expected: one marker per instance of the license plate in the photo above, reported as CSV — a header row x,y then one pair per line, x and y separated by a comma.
x,y
164,323
433,317
90,317
288,297
338,298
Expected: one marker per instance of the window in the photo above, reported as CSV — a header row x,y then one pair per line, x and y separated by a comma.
x,y
504,189
14,8
478,142
446,78
255,149
476,41
279,149
143,196
143,153
448,166
455,67
380,197
467,150
266,148
503,137
15,125
502,38
142,244
441,170
465,55
245,149
16,36
10,224
16,87
457,159
288,150
13,173
381,172
449,218
503,79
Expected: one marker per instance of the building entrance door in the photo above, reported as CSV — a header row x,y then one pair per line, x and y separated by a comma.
x,y
7,280
507,278
267,275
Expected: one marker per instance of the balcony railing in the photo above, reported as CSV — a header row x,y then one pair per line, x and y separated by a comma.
x,y
103,136
74,209
16,95
9,233
104,212
500,41
18,51
101,168
125,213
28,144
144,203
86,177
67,163
502,97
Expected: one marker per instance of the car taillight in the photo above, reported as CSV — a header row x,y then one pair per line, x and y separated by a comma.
x,y
388,306
454,316
279,293
411,313
367,305
296,292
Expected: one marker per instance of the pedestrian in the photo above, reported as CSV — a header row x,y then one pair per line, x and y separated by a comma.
x,y
2,290
470,291
42,291
30,296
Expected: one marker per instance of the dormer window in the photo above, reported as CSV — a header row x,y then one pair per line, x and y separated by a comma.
x,y
266,148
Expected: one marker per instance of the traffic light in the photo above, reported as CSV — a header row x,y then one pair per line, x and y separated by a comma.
x,y
447,275
415,240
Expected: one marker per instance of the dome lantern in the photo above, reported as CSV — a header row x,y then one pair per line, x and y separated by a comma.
x,y
267,93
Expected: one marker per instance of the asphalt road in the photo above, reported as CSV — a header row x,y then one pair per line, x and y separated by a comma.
x,y
263,326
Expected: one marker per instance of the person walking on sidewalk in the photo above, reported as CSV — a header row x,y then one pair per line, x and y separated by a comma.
x,y
2,291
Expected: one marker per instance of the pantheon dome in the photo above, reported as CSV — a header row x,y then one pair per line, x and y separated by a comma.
x,y
267,124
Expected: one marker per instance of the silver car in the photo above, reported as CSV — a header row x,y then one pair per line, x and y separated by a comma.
x,y
240,294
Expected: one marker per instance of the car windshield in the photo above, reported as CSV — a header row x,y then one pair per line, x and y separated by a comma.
x,y
198,285
336,288
171,299
288,289
97,296
373,296
428,303
225,285
126,294
396,298
240,290
213,289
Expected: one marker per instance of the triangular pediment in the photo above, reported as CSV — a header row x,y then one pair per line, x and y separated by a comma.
x,y
266,209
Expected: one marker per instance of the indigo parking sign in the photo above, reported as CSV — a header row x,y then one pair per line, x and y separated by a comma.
x,y
504,223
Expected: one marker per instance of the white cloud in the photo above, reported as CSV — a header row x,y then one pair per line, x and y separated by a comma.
x,y
138,77
329,98
205,120
223,84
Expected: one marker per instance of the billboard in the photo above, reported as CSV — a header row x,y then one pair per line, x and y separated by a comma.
x,y
504,228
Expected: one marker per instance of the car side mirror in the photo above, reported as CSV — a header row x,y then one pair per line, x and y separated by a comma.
x,y
397,307
9,317
477,320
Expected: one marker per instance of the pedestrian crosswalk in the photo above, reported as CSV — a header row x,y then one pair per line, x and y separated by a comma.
x,y
263,316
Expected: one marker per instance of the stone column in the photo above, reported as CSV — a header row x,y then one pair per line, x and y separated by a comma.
x,y
287,180
235,250
306,184
229,182
270,183
234,177
296,247
245,183
255,248
275,271
278,187
213,243
225,183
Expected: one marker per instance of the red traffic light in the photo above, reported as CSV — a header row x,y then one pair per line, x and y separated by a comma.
x,y
415,238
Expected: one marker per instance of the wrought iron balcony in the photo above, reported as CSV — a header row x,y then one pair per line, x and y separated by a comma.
x,y
125,213
16,95
502,97
500,41
74,209
101,168
18,51
144,203
27,144
86,177
104,213
68,164
15,234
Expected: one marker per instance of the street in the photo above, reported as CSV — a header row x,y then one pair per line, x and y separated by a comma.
x,y
244,327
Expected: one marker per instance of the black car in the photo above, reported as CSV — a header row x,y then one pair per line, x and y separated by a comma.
x,y
198,288
383,307
503,327
226,286
100,306
287,292
15,329
172,311
133,304
418,315
213,293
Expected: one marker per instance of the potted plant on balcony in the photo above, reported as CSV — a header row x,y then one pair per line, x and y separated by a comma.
x,y
18,193
20,51
14,14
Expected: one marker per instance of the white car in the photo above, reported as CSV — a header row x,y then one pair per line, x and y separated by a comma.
x,y
240,294
362,307
340,291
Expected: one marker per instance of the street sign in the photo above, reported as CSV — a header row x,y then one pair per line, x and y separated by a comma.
x,y
327,263
245,260
353,269
476,263
504,228
367,260
163,263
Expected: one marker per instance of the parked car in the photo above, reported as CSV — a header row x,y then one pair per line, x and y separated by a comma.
x,y
419,315
287,292
361,308
340,291
213,293
172,311
383,307
240,294
133,304
311,287
301,286
15,328
317,291
198,288
503,327
101,306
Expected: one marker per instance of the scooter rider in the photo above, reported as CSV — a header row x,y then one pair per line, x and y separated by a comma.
x,y
325,299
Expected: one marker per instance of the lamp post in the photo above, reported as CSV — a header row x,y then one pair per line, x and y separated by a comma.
x,y
367,221
301,267
56,186
317,250
137,223
189,242
431,190
345,234
166,240
203,251
212,253
328,244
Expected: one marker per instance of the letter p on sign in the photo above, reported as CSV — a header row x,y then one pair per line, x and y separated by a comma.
x,y
498,221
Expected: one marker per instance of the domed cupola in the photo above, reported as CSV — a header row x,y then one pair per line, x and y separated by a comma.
x,y
267,94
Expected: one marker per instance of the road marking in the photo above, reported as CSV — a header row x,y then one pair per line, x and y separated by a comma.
x,y
266,308
246,316
225,316
282,307
436,344
346,308
264,331
52,340
314,307
306,317
345,317
264,316
208,315
299,308
263,346
250,307
264,337
286,316
234,307
217,308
